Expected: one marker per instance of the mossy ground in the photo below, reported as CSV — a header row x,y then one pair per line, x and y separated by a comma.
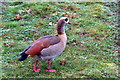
x,y
91,51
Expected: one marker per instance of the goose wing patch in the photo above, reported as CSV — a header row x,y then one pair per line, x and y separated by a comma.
x,y
41,43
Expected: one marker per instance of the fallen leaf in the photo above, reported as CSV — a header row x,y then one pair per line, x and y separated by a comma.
x,y
97,38
65,8
50,23
82,45
109,14
81,35
85,57
115,49
18,17
115,37
63,62
74,43
74,14
82,42
104,50
5,44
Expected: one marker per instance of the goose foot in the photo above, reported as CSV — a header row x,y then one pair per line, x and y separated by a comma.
x,y
36,70
35,67
48,68
51,70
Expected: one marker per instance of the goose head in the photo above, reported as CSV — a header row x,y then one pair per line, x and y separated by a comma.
x,y
61,23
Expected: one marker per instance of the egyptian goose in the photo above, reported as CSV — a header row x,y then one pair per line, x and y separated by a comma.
x,y
48,47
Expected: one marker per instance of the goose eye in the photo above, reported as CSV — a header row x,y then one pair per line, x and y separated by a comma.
x,y
66,19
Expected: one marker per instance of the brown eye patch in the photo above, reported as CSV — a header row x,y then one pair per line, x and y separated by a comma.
x,y
66,19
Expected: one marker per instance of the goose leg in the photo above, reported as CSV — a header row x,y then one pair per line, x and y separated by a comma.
x,y
50,70
35,67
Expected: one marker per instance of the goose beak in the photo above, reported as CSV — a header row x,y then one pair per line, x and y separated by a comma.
x,y
69,23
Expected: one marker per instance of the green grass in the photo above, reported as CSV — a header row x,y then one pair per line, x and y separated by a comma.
x,y
89,52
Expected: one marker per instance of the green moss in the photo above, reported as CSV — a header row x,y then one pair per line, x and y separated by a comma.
x,y
89,52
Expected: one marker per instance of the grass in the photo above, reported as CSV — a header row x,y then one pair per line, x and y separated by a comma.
x,y
90,51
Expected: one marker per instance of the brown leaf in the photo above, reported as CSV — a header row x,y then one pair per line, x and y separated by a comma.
x,y
64,8
74,43
82,42
63,62
75,14
5,44
18,17
115,37
82,34
115,49
82,45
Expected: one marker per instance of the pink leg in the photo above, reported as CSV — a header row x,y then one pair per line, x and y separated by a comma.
x,y
50,70
35,67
